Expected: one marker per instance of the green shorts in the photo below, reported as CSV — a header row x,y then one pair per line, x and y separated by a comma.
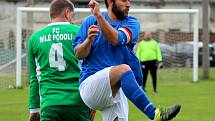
x,y
65,113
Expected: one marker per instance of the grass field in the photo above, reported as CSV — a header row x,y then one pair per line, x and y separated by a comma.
x,y
197,100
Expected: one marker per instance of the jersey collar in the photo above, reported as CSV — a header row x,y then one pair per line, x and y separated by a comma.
x,y
58,23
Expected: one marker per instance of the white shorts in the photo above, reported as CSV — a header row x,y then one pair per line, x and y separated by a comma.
x,y
96,93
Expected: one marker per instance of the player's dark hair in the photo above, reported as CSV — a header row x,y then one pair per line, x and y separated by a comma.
x,y
58,6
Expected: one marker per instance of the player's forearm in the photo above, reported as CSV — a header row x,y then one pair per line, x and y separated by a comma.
x,y
83,49
159,55
108,31
34,97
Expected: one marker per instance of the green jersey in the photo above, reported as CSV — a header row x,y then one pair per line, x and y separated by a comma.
x,y
148,50
54,70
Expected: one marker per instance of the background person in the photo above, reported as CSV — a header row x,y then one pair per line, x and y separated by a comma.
x,y
149,54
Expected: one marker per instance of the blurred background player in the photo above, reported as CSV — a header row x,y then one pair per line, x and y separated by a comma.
x,y
54,70
149,54
110,70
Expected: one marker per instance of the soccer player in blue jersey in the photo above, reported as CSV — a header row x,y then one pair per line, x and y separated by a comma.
x,y
110,70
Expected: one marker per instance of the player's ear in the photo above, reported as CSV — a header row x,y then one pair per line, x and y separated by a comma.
x,y
72,14
68,13
110,3
65,13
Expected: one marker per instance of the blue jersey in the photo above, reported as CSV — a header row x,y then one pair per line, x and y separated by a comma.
x,y
103,54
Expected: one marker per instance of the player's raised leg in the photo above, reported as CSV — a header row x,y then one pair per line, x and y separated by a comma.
x,y
122,76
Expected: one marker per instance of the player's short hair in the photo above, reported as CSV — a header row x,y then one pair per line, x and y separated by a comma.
x,y
58,6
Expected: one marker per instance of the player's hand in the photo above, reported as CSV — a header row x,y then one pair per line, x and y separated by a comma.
x,y
93,32
95,7
34,117
159,64
92,114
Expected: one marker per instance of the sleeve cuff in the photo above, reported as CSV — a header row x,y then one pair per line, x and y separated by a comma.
x,y
35,110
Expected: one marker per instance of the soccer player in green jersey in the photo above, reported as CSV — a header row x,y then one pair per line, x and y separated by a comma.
x,y
54,72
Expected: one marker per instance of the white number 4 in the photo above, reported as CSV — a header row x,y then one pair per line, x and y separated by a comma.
x,y
56,57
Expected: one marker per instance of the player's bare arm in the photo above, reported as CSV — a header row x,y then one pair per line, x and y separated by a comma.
x,y
83,49
34,117
109,32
